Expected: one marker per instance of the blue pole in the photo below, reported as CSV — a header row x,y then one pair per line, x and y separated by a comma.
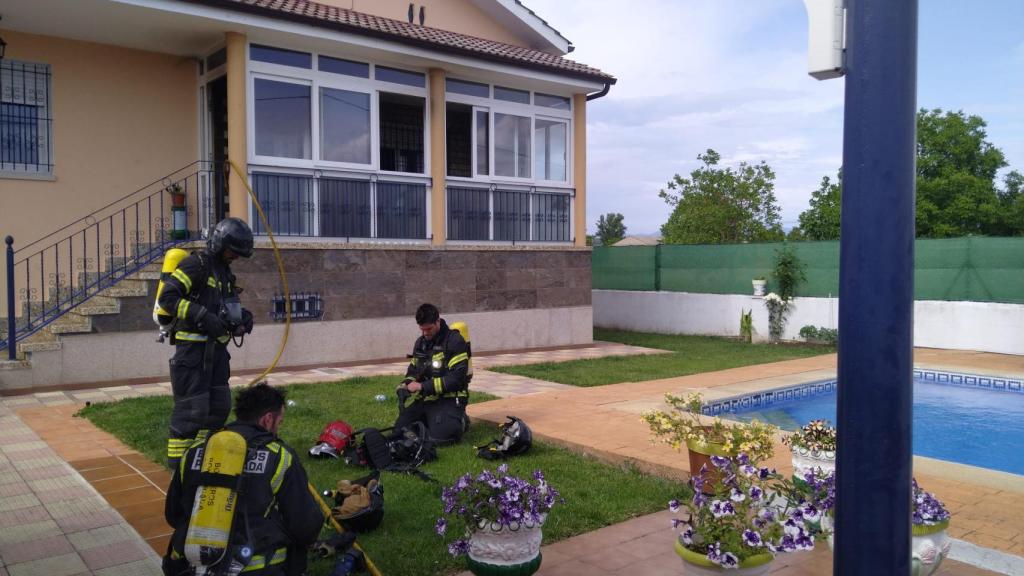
x,y
876,288
12,340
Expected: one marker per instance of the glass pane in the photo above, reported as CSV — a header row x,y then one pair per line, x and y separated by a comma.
x,y
511,215
280,56
467,88
459,139
346,67
401,210
551,217
288,202
400,76
549,101
511,95
550,155
482,143
344,126
282,119
469,217
217,59
511,145
344,208
401,133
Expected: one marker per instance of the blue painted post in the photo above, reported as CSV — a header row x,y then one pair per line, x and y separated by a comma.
x,y
876,290
12,326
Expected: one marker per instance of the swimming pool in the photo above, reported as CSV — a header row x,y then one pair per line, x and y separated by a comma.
x,y
975,420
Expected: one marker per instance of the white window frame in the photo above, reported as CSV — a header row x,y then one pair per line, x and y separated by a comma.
x,y
568,151
317,79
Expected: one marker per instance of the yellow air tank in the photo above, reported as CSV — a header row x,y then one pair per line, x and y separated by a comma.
x,y
209,528
464,330
172,258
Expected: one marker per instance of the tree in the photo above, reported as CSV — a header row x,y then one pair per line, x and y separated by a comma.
x,y
610,229
722,205
956,177
821,220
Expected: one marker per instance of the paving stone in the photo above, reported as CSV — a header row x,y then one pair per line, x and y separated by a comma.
x,y
62,565
115,554
150,567
34,549
11,503
97,537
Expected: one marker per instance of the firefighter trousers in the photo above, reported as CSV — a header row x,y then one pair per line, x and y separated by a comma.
x,y
445,418
202,399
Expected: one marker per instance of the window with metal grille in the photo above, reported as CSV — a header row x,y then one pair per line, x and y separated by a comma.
x,y
288,202
401,210
26,119
469,214
344,208
304,306
401,133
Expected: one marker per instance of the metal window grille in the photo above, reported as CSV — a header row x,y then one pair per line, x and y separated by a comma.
x,y
304,306
288,202
344,208
511,215
401,210
469,215
401,133
551,217
26,118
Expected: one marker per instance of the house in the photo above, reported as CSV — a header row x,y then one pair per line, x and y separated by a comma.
x,y
639,240
402,152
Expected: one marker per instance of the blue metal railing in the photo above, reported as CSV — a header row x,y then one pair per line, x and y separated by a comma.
x,y
54,274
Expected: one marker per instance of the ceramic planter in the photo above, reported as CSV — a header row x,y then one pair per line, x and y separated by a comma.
x,y
758,287
700,454
697,564
496,550
805,460
928,547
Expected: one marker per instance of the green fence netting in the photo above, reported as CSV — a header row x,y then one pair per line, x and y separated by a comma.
x,y
972,268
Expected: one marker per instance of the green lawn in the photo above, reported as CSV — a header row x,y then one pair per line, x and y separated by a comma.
x,y
405,544
689,355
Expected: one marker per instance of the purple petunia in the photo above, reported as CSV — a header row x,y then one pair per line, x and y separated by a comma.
x,y
459,547
729,560
686,536
441,526
752,539
673,506
720,461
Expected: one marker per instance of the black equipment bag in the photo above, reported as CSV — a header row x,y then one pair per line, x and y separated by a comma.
x,y
403,452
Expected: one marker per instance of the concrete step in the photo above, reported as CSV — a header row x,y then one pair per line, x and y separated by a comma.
x,y
39,342
71,323
126,288
20,364
99,305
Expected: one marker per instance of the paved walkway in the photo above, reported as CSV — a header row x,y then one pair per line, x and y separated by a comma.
x,y
74,500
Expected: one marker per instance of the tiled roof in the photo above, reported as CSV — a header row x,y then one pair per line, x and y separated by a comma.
x,y
317,14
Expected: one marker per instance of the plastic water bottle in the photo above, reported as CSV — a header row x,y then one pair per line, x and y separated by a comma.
x,y
290,403
380,398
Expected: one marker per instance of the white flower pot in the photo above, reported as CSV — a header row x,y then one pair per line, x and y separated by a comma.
x,y
805,460
759,287
496,549
929,546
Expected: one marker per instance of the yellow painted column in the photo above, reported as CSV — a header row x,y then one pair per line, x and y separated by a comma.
x,y
579,166
438,166
238,198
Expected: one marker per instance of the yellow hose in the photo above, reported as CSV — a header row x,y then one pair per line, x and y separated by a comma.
x,y
280,269
327,515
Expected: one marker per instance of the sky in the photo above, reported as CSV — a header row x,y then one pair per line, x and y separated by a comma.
x,y
731,75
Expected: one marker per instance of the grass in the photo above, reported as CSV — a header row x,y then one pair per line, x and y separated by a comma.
x,y
688,355
596,494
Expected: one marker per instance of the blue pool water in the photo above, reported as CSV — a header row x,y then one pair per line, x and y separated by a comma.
x,y
982,428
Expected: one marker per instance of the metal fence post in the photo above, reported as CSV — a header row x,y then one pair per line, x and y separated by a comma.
x,y
12,332
657,268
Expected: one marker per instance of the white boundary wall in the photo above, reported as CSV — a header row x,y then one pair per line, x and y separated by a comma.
x,y
982,326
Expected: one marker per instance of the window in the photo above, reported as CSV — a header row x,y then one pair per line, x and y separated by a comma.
x,y
551,217
459,139
345,67
344,208
549,101
401,210
469,215
467,88
511,146
288,202
344,126
217,59
396,76
282,113
280,56
482,143
25,118
401,133
511,95
549,159
511,215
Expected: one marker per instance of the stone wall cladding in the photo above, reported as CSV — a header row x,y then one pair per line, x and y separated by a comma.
x,y
371,283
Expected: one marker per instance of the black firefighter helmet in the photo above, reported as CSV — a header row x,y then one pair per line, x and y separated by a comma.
x,y
231,234
516,438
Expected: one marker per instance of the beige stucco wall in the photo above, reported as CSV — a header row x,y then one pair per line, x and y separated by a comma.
x,y
121,119
455,15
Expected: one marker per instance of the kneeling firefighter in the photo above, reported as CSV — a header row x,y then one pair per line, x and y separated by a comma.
x,y
439,376
239,501
198,307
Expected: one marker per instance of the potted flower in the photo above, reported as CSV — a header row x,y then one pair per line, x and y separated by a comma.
x,y
813,447
177,194
759,284
682,425
777,308
500,518
930,544
751,516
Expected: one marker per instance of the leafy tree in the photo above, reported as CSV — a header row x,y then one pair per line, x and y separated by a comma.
x,y
956,177
821,220
610,229
721,205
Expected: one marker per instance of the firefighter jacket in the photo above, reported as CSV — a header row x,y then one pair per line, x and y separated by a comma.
x,y
441,364
274,502
200,283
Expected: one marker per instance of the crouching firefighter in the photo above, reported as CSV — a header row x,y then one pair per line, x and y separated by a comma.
x,y
239,500
438,375
198,307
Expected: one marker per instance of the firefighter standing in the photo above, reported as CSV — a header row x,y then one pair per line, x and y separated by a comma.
x,y
276,516
202,295
439,375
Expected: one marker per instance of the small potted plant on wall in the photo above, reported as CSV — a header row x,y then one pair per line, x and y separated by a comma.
x,y
500,518
748,518
813,447
759,284
682,425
